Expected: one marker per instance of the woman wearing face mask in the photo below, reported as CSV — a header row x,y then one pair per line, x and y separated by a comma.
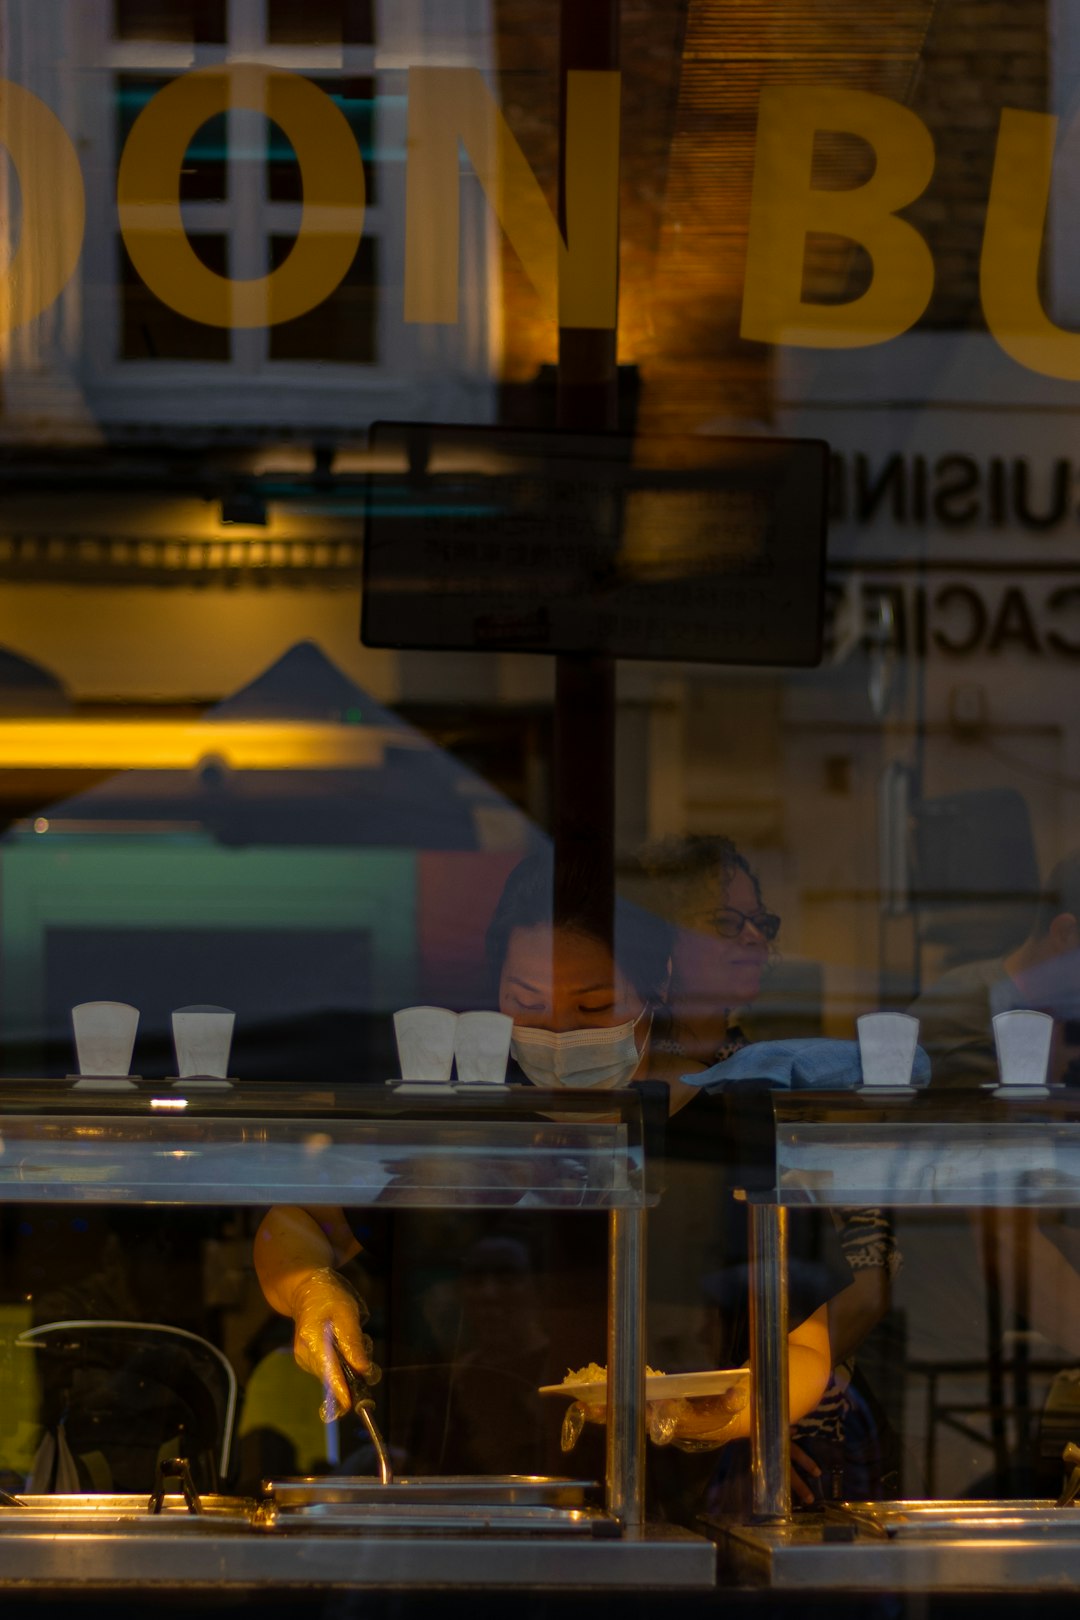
x,y
588,1028
582,1020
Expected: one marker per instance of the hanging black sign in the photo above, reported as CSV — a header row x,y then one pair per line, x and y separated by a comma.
x,y
493,539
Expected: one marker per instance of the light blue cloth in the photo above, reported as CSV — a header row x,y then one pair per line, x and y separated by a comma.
x,y
807,1065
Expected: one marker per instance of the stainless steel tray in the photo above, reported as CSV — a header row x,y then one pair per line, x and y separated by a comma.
x,y
446,1518
127,1515
963,1520
457,1490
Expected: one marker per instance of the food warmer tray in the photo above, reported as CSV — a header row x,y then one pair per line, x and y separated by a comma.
x,y
484,1490
967,1519
126,1515
509,1503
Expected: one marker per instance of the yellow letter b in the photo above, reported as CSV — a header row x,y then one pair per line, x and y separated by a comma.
x,y
786,206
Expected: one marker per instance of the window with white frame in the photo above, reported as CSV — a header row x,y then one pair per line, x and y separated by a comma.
x,y
241,186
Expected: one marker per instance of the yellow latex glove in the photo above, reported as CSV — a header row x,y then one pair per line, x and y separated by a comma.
x,y
328,1317
703,1424
575,1420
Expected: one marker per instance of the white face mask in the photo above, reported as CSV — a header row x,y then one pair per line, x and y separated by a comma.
x,y
597,1059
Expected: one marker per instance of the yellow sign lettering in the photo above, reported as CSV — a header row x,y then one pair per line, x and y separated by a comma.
x,y
1012,246
53,206
148,193
576,279
786,206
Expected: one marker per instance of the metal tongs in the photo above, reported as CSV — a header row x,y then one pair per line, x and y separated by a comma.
x,y
175,1468
364,1407
1071,1458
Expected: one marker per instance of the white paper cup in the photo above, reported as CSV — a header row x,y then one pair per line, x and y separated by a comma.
x,y
104,1036
425,1042
202,1037
1023,1040
887,1042
482,1047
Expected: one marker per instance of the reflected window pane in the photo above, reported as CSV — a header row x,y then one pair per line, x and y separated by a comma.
x,y
199,22
150,330
205,173
356,99
343,327
320,22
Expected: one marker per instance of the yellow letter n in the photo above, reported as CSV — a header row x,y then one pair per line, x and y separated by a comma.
x,y
576,279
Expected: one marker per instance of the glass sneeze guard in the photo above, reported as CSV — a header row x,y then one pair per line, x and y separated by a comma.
x,y
355,1145
963,1150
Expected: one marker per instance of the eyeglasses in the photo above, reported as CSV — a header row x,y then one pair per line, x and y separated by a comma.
x,y
730,923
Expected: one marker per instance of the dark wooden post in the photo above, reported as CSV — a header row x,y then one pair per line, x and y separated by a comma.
x,y
587,401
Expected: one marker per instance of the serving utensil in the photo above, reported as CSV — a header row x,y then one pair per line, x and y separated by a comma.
x,y
364,1407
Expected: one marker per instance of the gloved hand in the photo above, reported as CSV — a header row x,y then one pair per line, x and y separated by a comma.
x,y
704,1423
328,1315
575,1420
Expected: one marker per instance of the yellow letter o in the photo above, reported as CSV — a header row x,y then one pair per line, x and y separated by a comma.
x,y
148,194
53,206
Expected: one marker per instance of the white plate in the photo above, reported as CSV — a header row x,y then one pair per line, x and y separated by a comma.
x,y
662,1387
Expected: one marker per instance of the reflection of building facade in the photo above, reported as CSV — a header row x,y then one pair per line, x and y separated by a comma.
x,y
119,360
314,858
183,514
252,570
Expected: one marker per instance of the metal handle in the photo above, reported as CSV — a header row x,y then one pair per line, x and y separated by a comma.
x,y
625,1460
770,1424
364,1407
363,1410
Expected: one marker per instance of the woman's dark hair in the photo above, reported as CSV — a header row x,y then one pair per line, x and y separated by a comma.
x,y
528,900
699,855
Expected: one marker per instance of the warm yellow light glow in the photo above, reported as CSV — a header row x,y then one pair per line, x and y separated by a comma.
x,y
164,745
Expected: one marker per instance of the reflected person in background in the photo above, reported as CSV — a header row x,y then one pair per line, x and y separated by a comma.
x,y
479,1413
723,939
956,1028
956,1012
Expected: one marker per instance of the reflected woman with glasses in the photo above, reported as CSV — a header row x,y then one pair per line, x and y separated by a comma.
x,y
723,940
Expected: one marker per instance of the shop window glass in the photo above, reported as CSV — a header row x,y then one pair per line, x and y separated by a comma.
x,y
205,174
202,22
343,326
150,330
356,99
320,22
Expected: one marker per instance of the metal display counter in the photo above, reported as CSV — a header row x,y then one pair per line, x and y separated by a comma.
x,y
969,1150
161,1145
